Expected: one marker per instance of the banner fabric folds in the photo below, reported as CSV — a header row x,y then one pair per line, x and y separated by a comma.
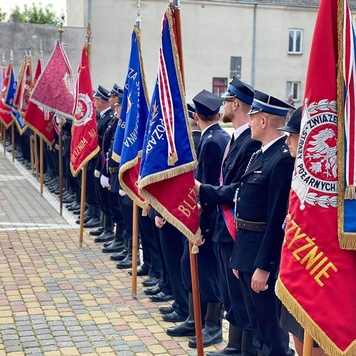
x,y
317,278
133,118
8,94
39,118
22,94
54,89
84,144
168,156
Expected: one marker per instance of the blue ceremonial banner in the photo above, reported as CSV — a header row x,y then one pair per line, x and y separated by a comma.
x,y
133,118
21,125
168,156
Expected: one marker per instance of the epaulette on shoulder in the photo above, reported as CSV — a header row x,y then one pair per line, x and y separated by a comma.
x,y
284,150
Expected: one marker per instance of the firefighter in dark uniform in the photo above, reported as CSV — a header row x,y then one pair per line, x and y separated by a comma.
x,y
106,130
100,205
210,153
261,204
109,175
238,99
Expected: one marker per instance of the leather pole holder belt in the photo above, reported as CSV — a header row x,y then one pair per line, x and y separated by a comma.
x,y
114,170
250,225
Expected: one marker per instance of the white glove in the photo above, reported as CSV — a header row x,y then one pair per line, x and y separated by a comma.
x,y
96,173
60,120
122,192
104,181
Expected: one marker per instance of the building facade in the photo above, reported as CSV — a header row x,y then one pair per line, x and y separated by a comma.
x,y
265,43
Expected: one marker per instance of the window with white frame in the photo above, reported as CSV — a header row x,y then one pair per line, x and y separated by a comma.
x,y
293,91
295,41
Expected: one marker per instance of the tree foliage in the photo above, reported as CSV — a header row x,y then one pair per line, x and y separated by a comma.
x,y
39,15
2,15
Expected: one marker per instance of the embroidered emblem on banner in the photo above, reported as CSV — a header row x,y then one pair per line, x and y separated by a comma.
x,y
315,181
84,110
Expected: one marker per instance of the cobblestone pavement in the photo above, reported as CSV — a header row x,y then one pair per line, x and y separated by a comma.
x,y
57,298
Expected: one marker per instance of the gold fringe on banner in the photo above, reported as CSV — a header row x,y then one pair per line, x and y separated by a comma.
x,y
309,324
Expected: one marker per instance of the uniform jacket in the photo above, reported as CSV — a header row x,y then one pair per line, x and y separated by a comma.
x,y
210,154
233,167
102,123
104,129
263,197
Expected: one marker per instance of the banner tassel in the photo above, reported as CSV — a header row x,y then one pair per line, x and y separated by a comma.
x,y
173,159
350,192
195,249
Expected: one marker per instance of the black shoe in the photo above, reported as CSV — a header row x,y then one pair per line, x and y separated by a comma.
x,y
126,263
208,339
74,206
86,219
166,310
150,282
97,231
76,211
162,297
104,237
93,222
140,272
185,329
174,317
69,200
119,256
152,291
114,246
71,204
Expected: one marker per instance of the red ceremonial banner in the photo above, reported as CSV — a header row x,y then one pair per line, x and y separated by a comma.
x,y
24,86
317,278
84,144
37,118
55,87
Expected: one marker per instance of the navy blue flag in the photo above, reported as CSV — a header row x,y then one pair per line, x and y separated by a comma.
x,y
168,156
132,124
7,101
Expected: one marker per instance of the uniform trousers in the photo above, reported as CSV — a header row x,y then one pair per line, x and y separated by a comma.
x,y
172,243
234,305
263,309
151,257
209,279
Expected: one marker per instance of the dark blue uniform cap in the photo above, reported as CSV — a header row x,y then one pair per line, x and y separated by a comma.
x,y
102,93
240,90
269,104
120,96
191,110
116,90
207,103
293,124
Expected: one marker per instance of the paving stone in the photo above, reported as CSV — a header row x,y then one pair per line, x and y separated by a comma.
x,y
57,298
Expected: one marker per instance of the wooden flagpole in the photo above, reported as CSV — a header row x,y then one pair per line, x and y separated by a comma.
x,y
41,165
13,123
307,344
41,156
60,141
84,168
192,257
